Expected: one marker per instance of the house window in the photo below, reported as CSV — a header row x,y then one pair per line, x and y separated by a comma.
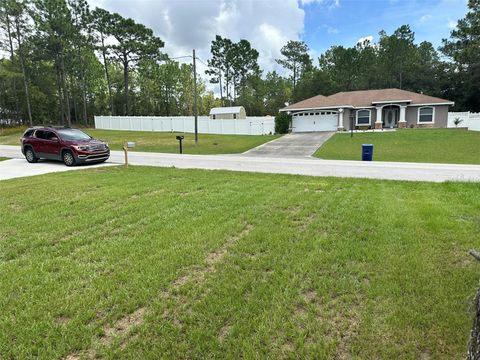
x,y
425,114
363,117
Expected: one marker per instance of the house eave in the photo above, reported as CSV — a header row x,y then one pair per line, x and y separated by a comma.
x,y
451,103
391,101
318,108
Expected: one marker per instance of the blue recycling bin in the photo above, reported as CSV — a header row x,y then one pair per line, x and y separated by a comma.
x,y
367,152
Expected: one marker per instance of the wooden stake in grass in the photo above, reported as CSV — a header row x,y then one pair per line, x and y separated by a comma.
x,y
125,150
474,345
127,145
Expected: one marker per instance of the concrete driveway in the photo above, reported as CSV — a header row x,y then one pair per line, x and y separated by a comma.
x,y
299,166
296,145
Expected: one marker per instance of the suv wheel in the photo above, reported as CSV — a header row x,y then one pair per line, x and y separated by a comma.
x,y
30,155
68,158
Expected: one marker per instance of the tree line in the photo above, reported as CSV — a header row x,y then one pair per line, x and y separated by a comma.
x,y
63,62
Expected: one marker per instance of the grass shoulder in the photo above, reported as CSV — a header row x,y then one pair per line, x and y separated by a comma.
x,y
455,146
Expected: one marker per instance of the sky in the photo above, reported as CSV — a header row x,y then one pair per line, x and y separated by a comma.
x,y
269,24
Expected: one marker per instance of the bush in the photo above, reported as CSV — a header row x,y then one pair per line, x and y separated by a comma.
x,y
282,123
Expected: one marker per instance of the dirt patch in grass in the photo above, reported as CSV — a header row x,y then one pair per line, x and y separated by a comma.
x,y
90,354
224,331
123,326
198,274
340,316
62,320
15,207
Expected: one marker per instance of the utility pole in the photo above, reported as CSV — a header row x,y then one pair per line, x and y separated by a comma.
x,y
195,110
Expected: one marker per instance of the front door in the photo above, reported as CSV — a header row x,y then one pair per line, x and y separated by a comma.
x,y
390,118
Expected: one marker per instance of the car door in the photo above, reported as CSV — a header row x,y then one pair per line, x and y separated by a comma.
x,y
52,145
38,143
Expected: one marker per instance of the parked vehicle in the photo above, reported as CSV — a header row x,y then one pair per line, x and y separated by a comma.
x,y
72,146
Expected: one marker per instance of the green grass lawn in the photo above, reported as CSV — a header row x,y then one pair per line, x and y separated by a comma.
x,y
3,158
166,142
456,146
160,262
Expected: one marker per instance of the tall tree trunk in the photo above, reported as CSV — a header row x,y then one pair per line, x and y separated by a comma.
x,y
74,105
24,72
83,88
227,83
294,75
61,107
167,97
107,76
65,92
84,99
125,80
220,82
12,58
234,89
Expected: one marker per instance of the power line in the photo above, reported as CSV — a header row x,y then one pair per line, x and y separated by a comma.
x,y
180,57
190,57
201,61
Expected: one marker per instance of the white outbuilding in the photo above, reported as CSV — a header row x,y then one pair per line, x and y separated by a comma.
x,y
232,112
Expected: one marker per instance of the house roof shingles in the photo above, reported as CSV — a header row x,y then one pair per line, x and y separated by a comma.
x,y
365,98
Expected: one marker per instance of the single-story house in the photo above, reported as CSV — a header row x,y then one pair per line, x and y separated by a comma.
x,y
232,112
368,109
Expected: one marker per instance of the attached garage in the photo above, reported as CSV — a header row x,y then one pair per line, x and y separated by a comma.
x,y
315,121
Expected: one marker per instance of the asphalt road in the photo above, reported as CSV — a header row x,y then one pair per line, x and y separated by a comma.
x,y
301,166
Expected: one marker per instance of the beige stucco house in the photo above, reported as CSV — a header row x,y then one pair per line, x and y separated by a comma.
x,y
368,109
232,112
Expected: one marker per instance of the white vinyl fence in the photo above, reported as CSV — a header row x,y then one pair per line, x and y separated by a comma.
x,y
249,126
469,120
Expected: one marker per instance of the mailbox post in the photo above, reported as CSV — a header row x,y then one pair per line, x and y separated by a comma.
x,y
180,138
127,145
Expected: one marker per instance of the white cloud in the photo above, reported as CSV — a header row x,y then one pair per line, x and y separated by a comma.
x,y
425,18
452,24
185,25
331,4
330,29
368,38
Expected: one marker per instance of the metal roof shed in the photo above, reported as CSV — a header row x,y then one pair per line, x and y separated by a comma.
x,y
232,112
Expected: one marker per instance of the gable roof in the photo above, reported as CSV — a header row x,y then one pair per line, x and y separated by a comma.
x,y
225,110
366,98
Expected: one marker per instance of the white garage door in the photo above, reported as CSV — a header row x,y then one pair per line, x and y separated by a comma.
x,y
315,121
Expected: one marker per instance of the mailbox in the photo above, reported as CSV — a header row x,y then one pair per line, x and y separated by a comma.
x,y
130,144
180,138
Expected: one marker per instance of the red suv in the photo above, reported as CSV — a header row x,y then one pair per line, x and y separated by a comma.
x,y
72,146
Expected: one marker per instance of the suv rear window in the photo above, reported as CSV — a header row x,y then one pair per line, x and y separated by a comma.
x,y
28,133
40,134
